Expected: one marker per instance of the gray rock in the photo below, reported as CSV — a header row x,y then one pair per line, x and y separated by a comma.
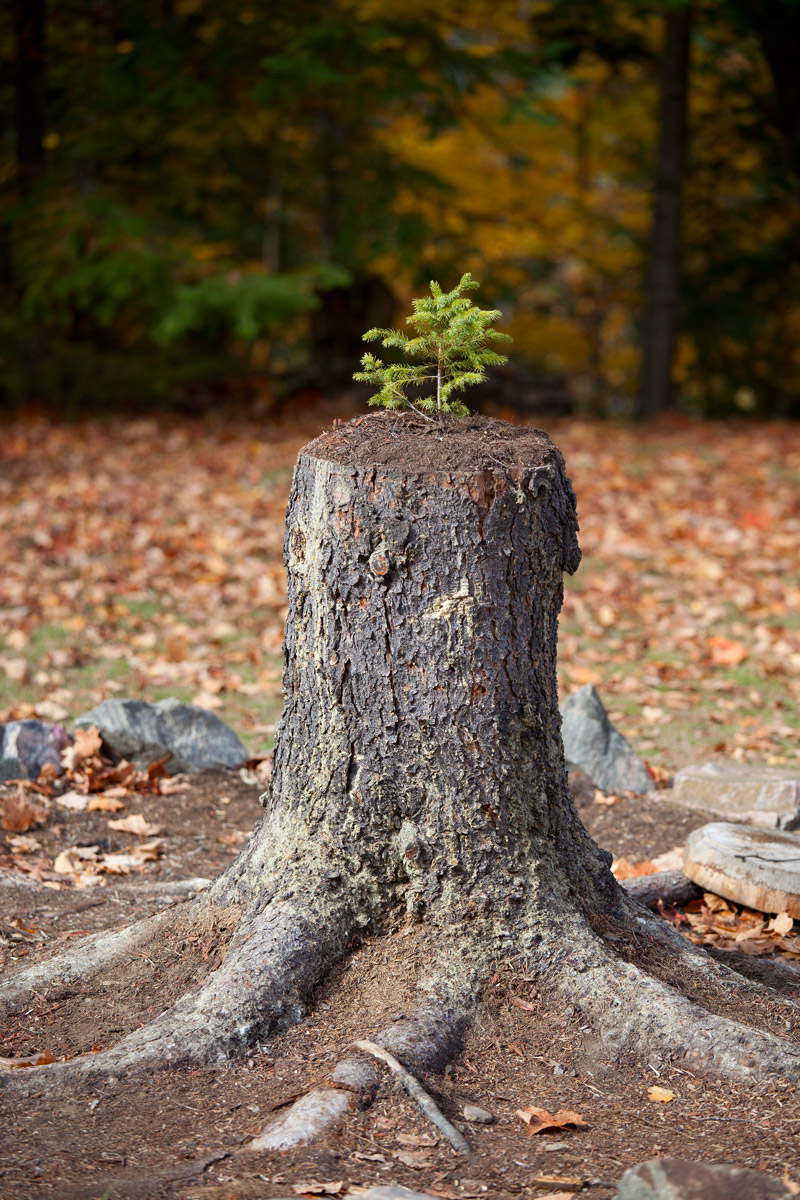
x,y
594,746
679,1179
395,1192
478,1115
143,733
25,747
760,795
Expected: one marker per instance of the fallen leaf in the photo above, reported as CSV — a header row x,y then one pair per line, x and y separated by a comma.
x,y
726,653
417,1139
417,1159
19,815
782,923
315,1188
659,1094
30,1060
87,742
121,862
671,860
621,868
538,1119
23,844
606,799
104,803
523,1004
368,1157
135,823
74,801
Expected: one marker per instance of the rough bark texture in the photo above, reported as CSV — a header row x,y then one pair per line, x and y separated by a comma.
x,y
419,769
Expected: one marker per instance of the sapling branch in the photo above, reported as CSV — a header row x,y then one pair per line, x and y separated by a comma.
x,y
453,346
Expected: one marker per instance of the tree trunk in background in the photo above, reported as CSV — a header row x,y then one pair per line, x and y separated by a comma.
x,y
29,17
663,276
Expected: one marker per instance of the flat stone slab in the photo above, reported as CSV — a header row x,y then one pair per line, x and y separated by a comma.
x,y
759,868
143,733
679,1179
594,746
768,796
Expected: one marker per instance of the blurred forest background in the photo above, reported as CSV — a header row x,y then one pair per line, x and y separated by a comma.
x,y
206,202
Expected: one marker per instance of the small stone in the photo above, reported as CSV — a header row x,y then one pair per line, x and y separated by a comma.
x,y
395,1192
594,746
679,1179
478,1115
767,796
143,733
26,746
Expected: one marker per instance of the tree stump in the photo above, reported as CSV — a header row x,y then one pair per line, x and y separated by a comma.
x,y
419,776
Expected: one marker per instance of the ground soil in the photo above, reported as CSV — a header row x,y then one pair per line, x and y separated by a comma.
x,y
412,443
181,1134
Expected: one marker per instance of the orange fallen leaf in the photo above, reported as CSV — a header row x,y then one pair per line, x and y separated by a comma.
x,y
135,823
622,868
19,815
538,1119
30,1060
725,653
659,1094
104,803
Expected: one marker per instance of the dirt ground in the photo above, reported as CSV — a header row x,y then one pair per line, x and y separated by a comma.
x,y
181,1133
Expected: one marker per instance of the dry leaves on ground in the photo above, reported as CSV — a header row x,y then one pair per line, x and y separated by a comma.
x,y
713,921
539,1119
660,1095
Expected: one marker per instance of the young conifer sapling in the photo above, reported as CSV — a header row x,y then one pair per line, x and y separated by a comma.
x,y
451,349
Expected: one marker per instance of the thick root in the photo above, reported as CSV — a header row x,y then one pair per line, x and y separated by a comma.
x,y
273,963
83,961
633,1013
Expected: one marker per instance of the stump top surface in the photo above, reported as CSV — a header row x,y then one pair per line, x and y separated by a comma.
x,y
407,442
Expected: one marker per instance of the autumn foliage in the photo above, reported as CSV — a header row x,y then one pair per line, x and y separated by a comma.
x,y
199,187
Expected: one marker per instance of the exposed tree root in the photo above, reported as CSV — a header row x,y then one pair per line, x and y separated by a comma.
x,y
83,961
274,960
417,1093
634,1013
428,1041
670,887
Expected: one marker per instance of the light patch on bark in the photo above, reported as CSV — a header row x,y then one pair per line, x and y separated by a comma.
x,y
458,604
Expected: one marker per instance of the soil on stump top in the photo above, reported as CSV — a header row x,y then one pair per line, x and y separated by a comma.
x,y
408,442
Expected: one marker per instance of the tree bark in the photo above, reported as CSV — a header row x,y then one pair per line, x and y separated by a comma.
x,y
664,269
419,776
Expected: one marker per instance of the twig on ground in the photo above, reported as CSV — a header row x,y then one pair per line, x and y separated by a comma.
x,y
417,1092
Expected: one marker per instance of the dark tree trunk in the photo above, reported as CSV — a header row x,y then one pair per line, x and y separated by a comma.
x,y
664,268
29,87
419,777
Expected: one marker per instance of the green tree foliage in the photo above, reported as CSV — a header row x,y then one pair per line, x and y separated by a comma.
x,y
195,177
452,336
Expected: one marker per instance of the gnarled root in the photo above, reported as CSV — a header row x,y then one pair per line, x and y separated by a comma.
x,y
426,1041
83,961
273,962
631,1011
